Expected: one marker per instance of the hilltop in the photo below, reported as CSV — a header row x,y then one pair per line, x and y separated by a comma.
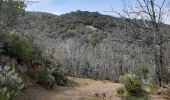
x,y
90,27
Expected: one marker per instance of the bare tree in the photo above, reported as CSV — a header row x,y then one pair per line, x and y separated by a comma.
x,y
145,20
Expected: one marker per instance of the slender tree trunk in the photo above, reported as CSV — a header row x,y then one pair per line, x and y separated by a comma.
x,y
159,58
158,63
158,54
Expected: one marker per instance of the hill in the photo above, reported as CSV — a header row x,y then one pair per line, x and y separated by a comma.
x,y
90,44
87,45
91,27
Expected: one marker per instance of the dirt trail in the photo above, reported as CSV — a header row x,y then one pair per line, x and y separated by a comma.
x,y
86,89
83,89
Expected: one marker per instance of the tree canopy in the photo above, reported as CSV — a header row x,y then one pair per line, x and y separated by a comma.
x,y
10,11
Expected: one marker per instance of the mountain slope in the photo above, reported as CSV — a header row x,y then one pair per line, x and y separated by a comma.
x,y
73,25
90,44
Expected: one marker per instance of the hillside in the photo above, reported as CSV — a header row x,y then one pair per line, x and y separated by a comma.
x,y
83,55
45,48
90,44
90,27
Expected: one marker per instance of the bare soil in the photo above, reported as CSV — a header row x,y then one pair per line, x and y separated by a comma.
x,y
82,89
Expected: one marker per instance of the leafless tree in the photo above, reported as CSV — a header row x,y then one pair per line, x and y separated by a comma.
x,y
145,20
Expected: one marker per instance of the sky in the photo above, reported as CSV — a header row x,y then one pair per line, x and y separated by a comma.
x,y
59,7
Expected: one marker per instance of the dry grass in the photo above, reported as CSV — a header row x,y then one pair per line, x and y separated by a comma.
x,y
80,89
84,89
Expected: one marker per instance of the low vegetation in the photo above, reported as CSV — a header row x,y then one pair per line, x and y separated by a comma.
x,y
49,75
22,53
121,91
133,88
42,77
10,83
132,83
18,47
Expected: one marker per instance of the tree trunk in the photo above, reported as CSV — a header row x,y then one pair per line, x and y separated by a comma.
x,y
159,64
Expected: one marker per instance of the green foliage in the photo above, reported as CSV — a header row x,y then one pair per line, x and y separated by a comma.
x,y
74,25
57,71
96,37
132,83
20,48
121,91
143,71
142,96
3,35
59,75
46,79
133,86
10,10
10,83
52,73
42,77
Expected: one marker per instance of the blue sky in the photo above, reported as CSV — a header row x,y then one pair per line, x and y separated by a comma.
x,y
64,6
59,7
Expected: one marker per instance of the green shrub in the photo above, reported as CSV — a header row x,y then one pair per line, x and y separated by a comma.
x,y
3,35
143,96
10,83
132,83
134,88
42,77
46,80
20,48
143,71
51,73
60,78
56,70
121,91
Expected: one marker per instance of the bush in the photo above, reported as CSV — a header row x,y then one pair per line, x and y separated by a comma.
x,y
42,77
133,86
51,73
10,83
121,91
47,80
143,71
132,83
140,97
56,70
20,48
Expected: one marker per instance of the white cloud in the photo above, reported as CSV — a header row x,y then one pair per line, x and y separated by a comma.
x,y
58,13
